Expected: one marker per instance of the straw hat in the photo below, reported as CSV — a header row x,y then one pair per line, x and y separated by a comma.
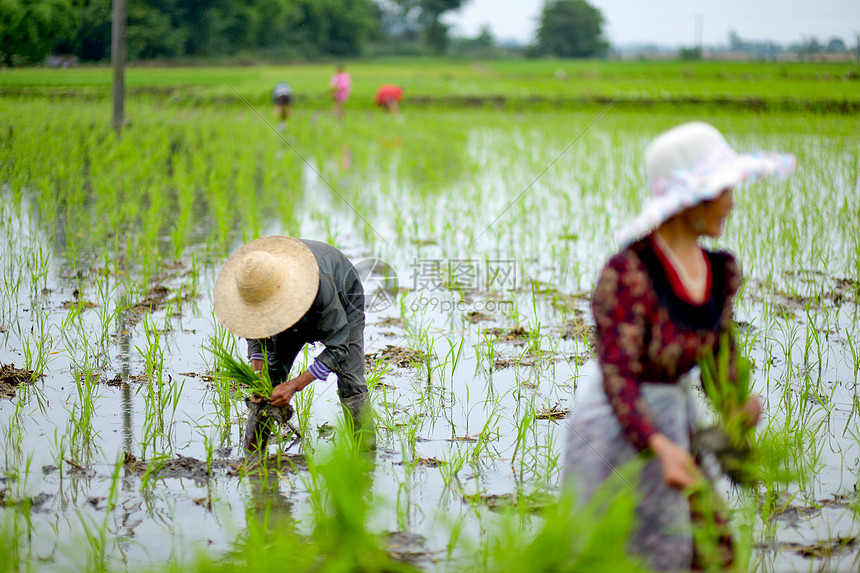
x,y
266,286
692,163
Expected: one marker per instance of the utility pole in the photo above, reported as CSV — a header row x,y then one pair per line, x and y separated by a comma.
x,y
118,64
699,40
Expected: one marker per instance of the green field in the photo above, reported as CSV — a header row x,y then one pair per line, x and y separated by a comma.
x,y
123,452
508,84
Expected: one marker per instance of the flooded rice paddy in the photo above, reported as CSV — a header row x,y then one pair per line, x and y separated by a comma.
x,y
122,445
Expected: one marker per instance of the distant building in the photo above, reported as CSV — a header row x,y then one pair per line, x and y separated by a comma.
x,y
63,61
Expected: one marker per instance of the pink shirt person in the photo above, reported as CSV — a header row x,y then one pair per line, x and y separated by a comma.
x,y
341,85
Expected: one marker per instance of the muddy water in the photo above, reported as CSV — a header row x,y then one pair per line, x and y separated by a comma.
x,y
466,296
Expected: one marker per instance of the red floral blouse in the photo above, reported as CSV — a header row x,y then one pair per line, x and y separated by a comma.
x,y
649,331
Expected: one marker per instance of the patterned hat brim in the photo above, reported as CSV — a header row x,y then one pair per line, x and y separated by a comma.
x,y
694,189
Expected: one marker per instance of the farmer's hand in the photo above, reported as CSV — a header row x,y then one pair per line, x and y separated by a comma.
x,y
283,392
679,468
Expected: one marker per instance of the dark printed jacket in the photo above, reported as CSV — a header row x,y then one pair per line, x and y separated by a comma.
x,y
646,332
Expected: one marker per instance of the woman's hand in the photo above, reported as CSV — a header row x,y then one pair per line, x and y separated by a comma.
x,y
283,392
751,411
679,468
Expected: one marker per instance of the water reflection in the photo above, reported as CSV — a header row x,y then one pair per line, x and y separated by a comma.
x,y
390,141
345,157
269,508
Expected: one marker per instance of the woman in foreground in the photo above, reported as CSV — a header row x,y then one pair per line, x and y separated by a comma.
x,y
660,305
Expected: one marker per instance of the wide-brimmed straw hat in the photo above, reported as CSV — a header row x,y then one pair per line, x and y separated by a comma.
x,y
266,286
692,163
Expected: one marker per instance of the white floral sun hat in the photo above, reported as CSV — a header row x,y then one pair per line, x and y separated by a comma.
x,y
692,163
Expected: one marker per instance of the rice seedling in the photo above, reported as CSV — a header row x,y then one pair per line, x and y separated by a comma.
x,y
97,534
523,426
161,397
377,371
20,544
486,353
303,407
455,353
222,397
452,466
489,433
38,348
156,462
855,358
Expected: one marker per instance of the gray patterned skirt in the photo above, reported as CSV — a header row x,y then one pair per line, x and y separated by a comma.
x,y
597,452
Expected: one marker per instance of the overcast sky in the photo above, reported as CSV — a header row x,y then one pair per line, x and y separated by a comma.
x,y
674,22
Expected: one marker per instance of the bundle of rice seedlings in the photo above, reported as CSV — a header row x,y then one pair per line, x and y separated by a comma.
x,y
248,381
745,456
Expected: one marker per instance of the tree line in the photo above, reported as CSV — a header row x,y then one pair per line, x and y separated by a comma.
x,y
31,30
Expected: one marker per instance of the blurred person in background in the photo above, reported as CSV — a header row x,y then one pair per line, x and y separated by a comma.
x,y
340,86
282,97
388,97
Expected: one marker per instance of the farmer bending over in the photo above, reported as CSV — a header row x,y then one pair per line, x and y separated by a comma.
x,y
282,97
388,97
281,293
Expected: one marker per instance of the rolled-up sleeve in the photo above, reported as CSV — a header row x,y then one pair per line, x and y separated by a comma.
x,y
319,370
255,349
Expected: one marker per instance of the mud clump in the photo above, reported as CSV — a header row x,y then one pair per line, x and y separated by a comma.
x,y
200,471
11,378
423,462
178,467
475,317
517,335
399,356
408,548
532,503
155,299
391,323
556,412
578,328
822,549
27,504
526,361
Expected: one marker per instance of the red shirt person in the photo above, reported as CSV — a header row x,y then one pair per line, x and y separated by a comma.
x,y
389,96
